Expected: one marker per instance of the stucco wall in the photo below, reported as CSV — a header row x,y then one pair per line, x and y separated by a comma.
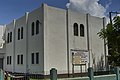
x,y
29,44
76,42
96,44
20,45
55,40
9,47
35,43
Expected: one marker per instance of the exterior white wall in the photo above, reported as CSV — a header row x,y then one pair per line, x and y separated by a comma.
x,y
96,44
35,43
9,48
55,39
29,44
76,42
20,45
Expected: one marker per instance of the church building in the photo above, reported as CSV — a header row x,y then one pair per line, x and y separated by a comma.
x,y
50,37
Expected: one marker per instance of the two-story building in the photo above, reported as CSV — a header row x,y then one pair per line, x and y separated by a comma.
x,y
50,37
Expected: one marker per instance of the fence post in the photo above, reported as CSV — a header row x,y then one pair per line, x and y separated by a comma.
x,y
1,74
90,73
117,73
53,74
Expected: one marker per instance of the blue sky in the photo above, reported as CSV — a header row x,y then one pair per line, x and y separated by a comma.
x,y
115,4
13,9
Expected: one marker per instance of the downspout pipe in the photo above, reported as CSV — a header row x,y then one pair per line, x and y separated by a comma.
x,y
88,40
26,22
105,45
14,24
67,28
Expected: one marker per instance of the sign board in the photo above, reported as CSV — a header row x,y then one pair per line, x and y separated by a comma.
x,y
79,57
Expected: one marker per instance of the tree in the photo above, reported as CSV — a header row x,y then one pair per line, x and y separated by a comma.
x,y
112,35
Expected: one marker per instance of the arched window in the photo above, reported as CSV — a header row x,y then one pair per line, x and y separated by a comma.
x,y
75,26
82,30
37,26
32,28
21,32
10,36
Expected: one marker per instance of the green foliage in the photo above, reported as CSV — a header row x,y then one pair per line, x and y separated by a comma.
x,y
112,35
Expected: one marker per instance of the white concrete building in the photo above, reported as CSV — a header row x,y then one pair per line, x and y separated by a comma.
x,y
48,37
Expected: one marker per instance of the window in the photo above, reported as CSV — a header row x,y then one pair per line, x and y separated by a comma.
x,y
18,33
37,26
37,58
21,59
9,60
10,36
32,29
18,59
75,29
21,32
32,58
81,30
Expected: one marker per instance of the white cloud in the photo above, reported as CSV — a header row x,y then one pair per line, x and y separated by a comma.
x,y
108,4
1,34
1,25
88,6
118,14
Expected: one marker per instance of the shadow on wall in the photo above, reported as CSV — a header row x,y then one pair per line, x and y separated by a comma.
x,y
98,65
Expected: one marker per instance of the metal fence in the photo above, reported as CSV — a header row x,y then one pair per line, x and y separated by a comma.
x,y
115,76
53,76
16,76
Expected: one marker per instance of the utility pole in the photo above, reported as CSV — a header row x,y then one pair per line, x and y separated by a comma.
x,y
110,15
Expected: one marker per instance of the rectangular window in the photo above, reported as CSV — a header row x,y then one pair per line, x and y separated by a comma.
x,y
37,58
10,59
32,58
21,59
18,33
7,59
21,32
10,36
18,59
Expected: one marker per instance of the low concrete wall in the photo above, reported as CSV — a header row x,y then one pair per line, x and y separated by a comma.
x,y
105,77
77,78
